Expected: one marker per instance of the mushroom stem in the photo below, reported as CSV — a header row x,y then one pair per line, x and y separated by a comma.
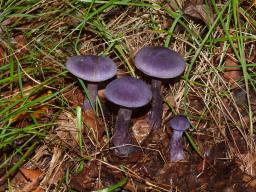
x,y
121,135
155,118
176,149
89,102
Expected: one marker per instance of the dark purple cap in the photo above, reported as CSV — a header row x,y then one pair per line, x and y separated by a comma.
x,y
159,62
91,67
179,123
128,92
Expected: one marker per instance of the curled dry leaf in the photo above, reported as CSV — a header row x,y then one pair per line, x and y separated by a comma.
x,y
55,170
27,180
248,167
31,174
141,130
86,179
8,21
169,101
249,180
176,5
94,127
1,56
232,71
249,164
75,97
67,129
20,44
101,95
200,11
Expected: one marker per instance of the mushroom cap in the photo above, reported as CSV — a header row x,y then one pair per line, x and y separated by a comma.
x,y
128,92
91,67
179,123
159,62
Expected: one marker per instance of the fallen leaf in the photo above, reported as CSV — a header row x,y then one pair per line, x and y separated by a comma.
x,y
141,130
101,95
55,169
67,130
31,174
38,111
1,56
8,21
169,102
20,44
232,70
200,11
38,189
34,177
26,179
75,97
86,179
249,180
94,127
40,153
249,164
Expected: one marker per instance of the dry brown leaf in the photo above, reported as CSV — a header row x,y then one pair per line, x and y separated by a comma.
x,y
26,180
251,181
57,175
67,129
39,189
75,97
249,164
86,179
20,44
1,56
31,174
141,130
232,71
101,95
176,5
8,21
200,11
94,128
40,153
169,100
54,169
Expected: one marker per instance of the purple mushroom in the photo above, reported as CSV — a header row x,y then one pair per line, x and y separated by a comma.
x,y
93,69
128,93
179,124
158,63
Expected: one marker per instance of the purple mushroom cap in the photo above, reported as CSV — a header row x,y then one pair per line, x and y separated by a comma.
x,y
159,62
128,92
91,67
179,123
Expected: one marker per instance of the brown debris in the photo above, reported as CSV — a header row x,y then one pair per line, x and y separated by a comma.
x,y
141,130
200,11
1,56
27,180
232,71
20,44
94,127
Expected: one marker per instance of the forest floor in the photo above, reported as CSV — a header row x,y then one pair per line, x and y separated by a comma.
x,y
47,143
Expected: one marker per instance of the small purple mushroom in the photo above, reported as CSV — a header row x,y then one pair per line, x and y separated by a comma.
x,y
158,63
179,124
93,69
128,93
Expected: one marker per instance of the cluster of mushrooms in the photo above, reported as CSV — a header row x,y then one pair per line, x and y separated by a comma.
x,y
129,93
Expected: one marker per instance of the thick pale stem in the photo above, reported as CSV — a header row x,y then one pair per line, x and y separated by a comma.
x,y
155,119
122,134
176,148
92,93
